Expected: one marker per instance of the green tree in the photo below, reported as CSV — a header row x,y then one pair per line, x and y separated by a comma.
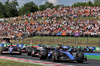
x,y
28,7
57,6
95,1
49,5
11,8
90,3
97,4
7,2
78,4
14,4
42,7
1,10
45,6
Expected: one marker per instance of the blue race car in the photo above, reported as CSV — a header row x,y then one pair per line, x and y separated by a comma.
x,y
63,54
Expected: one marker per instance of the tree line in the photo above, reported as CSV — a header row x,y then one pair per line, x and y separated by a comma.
x,y
12,9
89,3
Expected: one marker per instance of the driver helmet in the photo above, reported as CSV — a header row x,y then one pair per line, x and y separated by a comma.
x,y
59,47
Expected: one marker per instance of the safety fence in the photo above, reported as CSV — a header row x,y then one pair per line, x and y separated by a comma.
x,y
23,45
63,40
67,40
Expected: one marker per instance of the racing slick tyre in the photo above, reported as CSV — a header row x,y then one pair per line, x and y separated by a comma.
x,y
33,52
29,52
43,54
19,49
80,57
2,50
20,52
55,56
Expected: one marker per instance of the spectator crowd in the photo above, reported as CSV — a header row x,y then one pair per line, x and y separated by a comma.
x,y
50,24
71,12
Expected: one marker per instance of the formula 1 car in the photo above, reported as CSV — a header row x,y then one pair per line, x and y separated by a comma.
x,y
87,49
74,49
11,49
63,54
35,50
25,49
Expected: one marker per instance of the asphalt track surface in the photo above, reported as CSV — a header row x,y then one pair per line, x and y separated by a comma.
x,y
89,62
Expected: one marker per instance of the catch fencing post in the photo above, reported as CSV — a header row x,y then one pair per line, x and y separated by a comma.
x,y
87,40
49,39
56,38
75,40
42,37
23,40
63,39
53,38
99,41
32,38
35,35
15,38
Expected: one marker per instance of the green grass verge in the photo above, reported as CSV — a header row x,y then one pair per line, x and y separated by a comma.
x,y
93,57
86,18
14,63
70,41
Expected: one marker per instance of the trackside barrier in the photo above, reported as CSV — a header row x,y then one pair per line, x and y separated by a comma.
x,y
94,48
97,48
1,45
7,45
22,45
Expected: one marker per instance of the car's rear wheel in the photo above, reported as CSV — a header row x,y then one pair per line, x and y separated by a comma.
x,y
20,52
43,54
28,52
80,57
2,50
19,49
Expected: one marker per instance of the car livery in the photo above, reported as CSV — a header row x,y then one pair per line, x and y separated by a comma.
x,y
11,49
87,49
62,54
